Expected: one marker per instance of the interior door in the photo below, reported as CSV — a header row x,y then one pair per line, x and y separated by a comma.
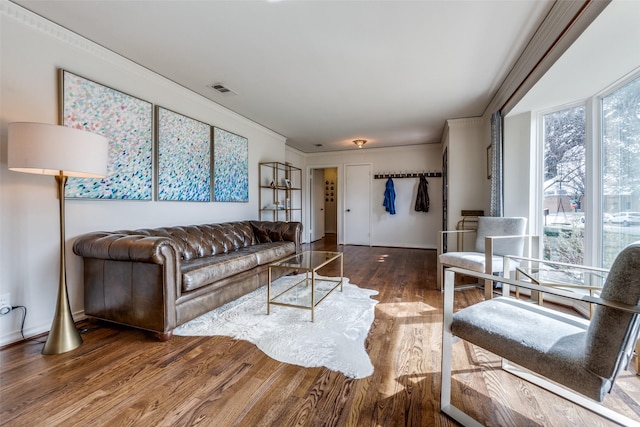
x,y
317,204
357,205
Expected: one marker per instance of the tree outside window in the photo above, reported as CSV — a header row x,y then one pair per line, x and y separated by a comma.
x,y
564,184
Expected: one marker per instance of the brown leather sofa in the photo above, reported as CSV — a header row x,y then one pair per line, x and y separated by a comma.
x,y
157,279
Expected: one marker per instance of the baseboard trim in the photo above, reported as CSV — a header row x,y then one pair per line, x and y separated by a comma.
x,y
33,331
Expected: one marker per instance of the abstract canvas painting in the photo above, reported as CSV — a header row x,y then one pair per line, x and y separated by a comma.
x,y
127,122
231,167
184,158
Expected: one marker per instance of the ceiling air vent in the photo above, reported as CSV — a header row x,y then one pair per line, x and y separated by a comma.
x,y
219,87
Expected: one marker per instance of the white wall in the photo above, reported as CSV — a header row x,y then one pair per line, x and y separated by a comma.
x,y
33,50
407,228
519,177
469,188
295,157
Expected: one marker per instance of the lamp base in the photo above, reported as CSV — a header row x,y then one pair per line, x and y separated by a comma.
x,y
64,335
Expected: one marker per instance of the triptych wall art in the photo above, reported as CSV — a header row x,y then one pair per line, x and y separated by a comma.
x,y
184,158
231,173
189,155
127,122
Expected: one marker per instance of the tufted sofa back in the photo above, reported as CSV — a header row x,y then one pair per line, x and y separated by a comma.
x,y
197,241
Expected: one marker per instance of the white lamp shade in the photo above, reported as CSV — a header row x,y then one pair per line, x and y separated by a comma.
x,y
50,149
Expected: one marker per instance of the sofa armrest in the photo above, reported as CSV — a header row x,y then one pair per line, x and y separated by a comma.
x,y
125,247
131,279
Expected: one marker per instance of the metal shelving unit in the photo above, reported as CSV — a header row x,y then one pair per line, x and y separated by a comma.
x,y
280,196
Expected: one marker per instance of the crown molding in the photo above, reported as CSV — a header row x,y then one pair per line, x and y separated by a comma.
x,y
371,150
50,29
466,121
294,150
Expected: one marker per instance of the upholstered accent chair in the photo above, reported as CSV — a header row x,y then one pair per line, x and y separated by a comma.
x,y
495,237
575,358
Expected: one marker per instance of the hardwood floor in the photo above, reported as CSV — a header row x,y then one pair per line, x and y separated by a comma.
x,y
121,376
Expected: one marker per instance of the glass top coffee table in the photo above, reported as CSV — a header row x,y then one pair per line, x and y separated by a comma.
x,y
311,290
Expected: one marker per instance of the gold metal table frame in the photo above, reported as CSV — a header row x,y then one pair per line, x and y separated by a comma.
x,y
309,262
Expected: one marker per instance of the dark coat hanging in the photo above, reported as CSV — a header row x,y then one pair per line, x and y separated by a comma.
x,y
422,199
389,197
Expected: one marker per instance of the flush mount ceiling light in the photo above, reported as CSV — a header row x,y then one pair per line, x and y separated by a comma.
x,y
359,142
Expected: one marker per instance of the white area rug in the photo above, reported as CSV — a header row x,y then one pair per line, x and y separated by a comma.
x,y
335,340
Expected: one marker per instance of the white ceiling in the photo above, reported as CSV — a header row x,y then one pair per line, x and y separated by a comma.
x,y
321,72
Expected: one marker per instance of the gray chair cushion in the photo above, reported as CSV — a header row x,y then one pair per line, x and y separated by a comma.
x,y
609,332
490,226
500,226
542,340
474,261
583,356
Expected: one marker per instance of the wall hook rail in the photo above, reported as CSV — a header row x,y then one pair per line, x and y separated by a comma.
x,y
428,174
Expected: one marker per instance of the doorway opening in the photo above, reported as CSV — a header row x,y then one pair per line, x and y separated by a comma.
x,y
324,202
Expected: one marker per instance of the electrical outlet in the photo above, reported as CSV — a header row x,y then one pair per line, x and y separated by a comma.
x,y
5,304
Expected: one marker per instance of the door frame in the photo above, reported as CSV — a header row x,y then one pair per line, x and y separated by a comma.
x,y
317,218
307,201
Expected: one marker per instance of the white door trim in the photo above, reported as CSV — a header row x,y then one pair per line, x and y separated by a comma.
x,y
307,203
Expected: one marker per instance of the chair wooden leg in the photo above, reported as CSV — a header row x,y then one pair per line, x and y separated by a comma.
x,y
488,289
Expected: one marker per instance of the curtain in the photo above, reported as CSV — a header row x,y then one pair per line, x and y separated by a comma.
x,y
496,167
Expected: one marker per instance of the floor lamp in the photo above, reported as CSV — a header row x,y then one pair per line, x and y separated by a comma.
x,y
60,151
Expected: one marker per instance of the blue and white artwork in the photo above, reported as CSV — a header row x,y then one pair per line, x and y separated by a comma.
x,y
127,122
231,167
184,158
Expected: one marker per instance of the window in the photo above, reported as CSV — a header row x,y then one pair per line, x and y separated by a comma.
x,y
564,184
569,145
620,112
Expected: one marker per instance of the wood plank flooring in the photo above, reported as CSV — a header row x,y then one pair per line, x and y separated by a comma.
x,y
124,377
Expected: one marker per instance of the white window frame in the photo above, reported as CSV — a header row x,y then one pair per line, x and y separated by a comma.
x,y
539,166
598,238
594,235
